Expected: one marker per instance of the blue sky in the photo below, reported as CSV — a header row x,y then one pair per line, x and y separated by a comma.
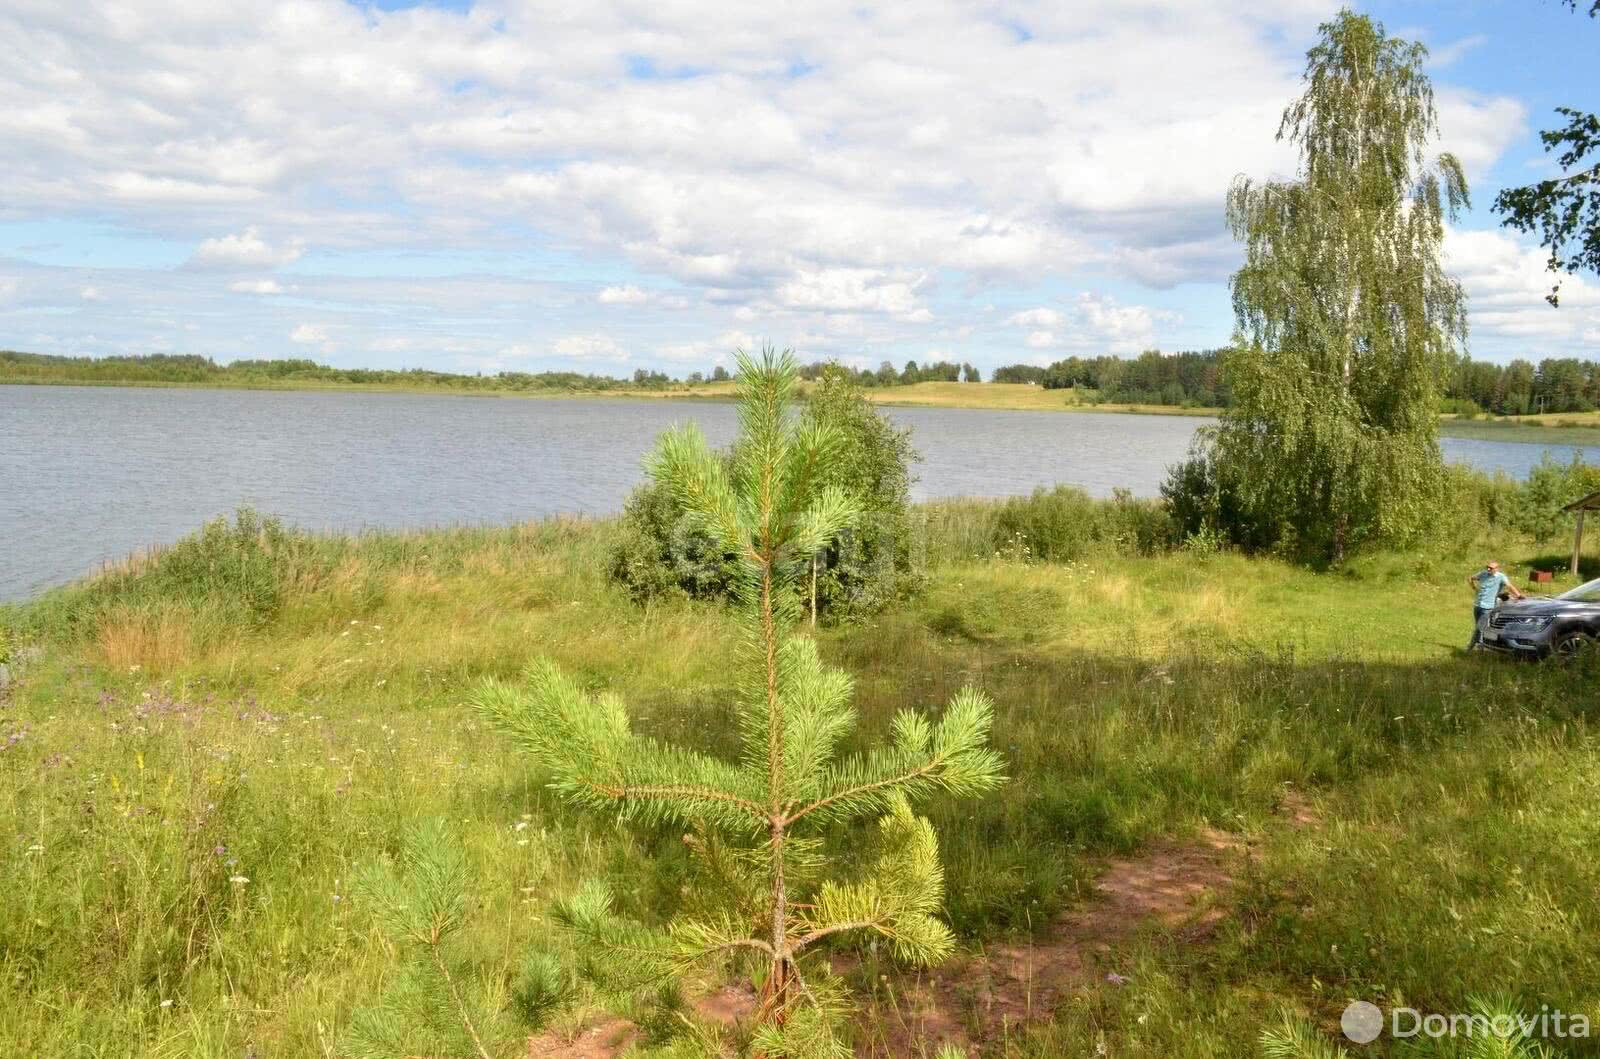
x,y
525,186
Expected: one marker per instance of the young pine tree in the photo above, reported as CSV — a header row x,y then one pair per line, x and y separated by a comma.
x,y
755,821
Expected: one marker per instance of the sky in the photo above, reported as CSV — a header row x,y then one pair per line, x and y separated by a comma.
x,y
513,185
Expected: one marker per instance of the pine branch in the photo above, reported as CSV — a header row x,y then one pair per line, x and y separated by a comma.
x,y
593,757
896,900
953,757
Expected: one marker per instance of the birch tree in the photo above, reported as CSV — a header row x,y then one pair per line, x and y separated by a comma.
x,y
1346,320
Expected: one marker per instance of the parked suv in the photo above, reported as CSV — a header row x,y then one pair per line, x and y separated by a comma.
x,y
1541,626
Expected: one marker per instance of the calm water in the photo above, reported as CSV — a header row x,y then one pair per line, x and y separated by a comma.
x,y
90,474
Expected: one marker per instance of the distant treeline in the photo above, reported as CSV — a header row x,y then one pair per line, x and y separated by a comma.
x,y
1191,379
186,369
886,375
1195,380
1521,388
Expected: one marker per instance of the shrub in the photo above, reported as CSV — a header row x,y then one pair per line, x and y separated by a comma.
x,y
1550,486
233,572
869,565
661,550
1063,523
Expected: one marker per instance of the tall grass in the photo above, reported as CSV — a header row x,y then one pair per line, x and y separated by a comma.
x,y
219,737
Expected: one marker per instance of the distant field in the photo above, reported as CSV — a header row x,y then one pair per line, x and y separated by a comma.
x,y
1566,428
1013,396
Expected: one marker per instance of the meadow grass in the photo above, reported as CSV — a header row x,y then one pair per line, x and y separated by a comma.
x,y
217,738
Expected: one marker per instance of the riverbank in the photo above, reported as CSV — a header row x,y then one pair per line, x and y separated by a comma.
x,y
207,753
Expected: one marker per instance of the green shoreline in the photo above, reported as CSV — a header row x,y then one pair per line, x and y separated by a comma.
x,y
1013,397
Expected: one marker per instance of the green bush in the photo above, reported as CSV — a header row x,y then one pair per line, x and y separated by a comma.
x,y
868,567
1055,525
236,572
1550,487
660,552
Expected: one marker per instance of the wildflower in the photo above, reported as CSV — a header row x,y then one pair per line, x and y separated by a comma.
x,y
238,880
522,825
166,1003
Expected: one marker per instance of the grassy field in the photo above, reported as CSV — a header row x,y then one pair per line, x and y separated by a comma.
x,y
1570,428
207,748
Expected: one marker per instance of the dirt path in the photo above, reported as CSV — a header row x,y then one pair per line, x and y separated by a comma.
x,y
1169,886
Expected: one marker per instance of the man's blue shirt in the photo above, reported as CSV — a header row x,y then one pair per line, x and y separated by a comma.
x,y
1489,586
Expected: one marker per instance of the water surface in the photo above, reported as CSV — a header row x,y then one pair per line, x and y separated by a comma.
x,y
89,474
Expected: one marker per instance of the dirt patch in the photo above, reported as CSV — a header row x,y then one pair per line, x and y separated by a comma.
x,y
604,1039
1169,887
1298,810
610,1036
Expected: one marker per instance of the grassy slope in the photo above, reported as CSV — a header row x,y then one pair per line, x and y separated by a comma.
x,y
172,750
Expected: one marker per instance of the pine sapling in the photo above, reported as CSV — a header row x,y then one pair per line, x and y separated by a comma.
x,y
754,822
434,1003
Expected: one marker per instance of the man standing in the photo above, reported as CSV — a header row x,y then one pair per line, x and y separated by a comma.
x,y
1487,583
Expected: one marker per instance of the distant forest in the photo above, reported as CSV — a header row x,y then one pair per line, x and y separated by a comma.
x,y
187,369
1564,384
1188,379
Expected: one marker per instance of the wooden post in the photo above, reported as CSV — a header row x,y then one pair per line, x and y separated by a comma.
x,y
1577,543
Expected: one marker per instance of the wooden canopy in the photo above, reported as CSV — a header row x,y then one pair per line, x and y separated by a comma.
x,y
1588,503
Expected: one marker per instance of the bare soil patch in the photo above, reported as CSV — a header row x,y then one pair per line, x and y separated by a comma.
x,y
1170,887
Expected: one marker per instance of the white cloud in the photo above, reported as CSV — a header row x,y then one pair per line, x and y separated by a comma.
x,y
589,347
256,286
1449,54
717,350
309,334
1122,328
853,290
1040,317
1039,340
91,294
1506,283
833,172
246,249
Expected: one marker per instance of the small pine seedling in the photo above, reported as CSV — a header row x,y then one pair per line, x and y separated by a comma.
x,y
754,820
434,1004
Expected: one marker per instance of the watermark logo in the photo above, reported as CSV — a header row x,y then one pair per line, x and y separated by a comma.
x,y
1364,1022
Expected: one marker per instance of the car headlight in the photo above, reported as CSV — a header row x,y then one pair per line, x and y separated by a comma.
x,y
1533,623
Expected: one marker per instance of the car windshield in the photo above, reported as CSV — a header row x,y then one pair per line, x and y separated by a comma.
x,y
1589,593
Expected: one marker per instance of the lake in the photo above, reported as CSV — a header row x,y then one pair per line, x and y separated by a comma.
x,y
89,474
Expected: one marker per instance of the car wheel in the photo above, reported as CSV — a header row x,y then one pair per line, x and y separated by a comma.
x,y
1574,645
